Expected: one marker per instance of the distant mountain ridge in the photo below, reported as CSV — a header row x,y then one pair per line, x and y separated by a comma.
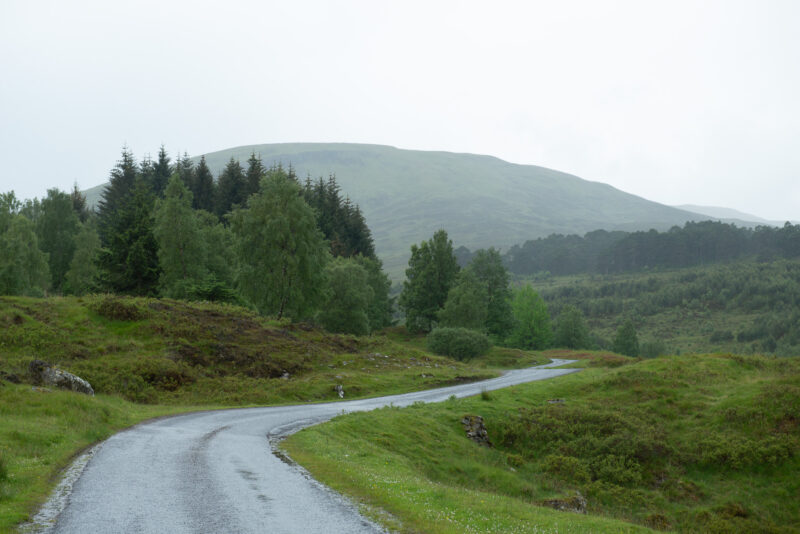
x,y
481,201
728,214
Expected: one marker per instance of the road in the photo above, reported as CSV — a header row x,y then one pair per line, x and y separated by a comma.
x,y
217,471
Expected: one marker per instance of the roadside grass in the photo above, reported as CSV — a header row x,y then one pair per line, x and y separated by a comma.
x,y
691,444
41,431
153,357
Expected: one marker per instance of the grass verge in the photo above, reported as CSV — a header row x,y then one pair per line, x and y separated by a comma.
x,y
690,444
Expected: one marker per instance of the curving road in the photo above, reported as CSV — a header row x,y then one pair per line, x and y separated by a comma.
x,y
218,472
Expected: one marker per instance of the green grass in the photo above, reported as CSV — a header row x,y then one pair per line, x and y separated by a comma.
x,y
171,352
41,431
690,443
149,357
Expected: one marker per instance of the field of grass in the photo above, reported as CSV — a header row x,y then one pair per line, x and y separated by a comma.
x,y
149,357
688,444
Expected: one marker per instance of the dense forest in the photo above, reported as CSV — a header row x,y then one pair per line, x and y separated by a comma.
x,y
255,236
603,252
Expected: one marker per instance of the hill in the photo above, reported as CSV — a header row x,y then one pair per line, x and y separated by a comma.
x,y
481,201
730,215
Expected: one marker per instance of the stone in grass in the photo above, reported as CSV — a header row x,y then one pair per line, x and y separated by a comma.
x,y
576,503
476,430
46,374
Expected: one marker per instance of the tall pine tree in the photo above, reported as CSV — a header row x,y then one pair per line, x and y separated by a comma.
x,y
203,188
230,188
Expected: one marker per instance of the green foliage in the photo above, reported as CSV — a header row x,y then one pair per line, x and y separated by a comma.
x,y
531,327
203,188
81,278
487,265
653,349
431,272
381,306
626,341
466,304
181,249
459,343
571,331
281,251
346,306
255,172
340,220
23,267
128,261
231,189
56,229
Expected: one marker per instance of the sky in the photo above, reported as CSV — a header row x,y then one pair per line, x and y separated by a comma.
x,y
677,102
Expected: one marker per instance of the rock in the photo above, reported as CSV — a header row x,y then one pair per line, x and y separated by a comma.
x,y
476,430
576,503
45,374
285,375
555,401
9,377
339,390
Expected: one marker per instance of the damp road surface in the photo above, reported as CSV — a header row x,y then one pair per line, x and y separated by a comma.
x,y
219,472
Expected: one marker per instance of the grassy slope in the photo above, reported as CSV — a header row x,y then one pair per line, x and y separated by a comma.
x,y
482,201
694,444
170,357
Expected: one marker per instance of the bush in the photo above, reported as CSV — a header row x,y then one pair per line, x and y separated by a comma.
x,y
458,343
3,471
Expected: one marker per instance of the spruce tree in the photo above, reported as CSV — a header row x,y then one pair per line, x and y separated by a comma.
x,y
203,188
185,169
230,188
162,170
123,176
255,172
128,261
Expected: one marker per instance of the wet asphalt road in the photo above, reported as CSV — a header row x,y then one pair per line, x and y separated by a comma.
x,y
216,471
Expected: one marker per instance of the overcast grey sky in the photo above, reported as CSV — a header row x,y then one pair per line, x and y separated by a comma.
x,y
678,102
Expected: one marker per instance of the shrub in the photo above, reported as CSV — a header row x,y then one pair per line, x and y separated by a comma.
x,y
119,309
458,343
3,471
567,468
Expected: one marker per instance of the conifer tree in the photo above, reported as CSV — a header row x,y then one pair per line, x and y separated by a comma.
x,y
128,261
162,170
203,188
230,188
79,204
123,176
255,172
185,169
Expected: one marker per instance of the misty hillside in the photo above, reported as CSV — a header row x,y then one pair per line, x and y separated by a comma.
x,y
481,201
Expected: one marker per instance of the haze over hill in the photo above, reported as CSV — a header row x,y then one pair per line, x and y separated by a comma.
x,y
728,214
481,201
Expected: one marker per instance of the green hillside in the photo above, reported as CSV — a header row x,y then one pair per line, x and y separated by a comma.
x,y
693,443
481,201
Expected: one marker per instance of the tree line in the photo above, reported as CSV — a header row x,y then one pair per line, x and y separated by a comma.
x,y
463,309
604,252
255,236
